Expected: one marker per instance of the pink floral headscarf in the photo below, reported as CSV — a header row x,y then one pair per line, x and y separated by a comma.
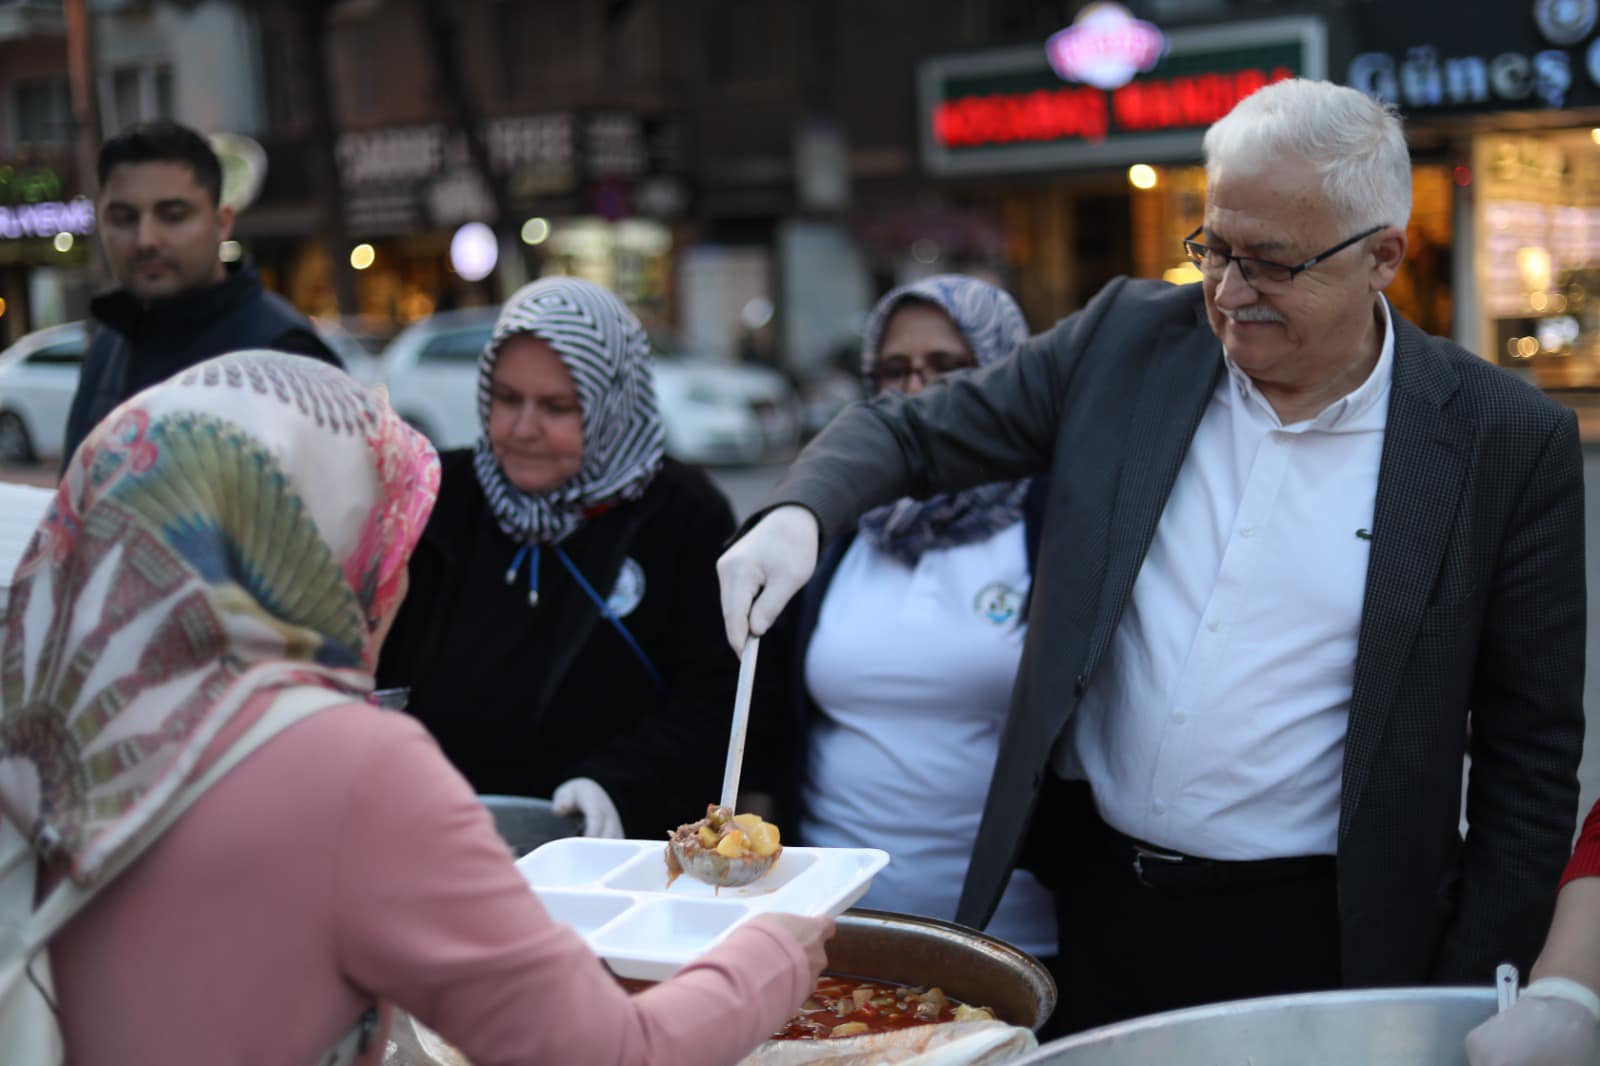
x,y
240,529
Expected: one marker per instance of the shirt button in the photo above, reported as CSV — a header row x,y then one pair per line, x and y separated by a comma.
x,y
1213,626
1178,718
1159,807
1246,531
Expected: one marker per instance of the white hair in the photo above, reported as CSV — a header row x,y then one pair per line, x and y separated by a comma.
x,y
1355,143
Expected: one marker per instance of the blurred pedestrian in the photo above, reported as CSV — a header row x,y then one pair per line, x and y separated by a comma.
x,y
1290,543
162,223
235,544
900,654
562,637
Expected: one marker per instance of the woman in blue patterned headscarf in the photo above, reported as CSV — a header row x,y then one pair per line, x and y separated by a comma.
x,y
904,645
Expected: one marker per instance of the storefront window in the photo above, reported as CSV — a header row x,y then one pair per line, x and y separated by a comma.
x,y
1538,253
1422,292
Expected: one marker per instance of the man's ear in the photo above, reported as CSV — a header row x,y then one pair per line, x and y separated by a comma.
x,y
224,223
1388,252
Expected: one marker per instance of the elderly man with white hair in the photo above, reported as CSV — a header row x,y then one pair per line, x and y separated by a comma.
x,y
1292,547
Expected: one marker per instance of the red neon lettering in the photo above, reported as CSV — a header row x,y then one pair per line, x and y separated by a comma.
x,y
1041,115
1186,102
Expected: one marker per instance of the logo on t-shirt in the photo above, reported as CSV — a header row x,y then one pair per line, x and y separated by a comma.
x,y
998,604
629,589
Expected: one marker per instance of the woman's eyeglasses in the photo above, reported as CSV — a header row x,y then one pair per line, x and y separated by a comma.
x,y
1263,275
896,371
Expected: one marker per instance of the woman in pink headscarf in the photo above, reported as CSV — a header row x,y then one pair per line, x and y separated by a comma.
x,y
221,544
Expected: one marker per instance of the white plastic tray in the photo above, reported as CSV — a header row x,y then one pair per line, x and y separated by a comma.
x,y
615,894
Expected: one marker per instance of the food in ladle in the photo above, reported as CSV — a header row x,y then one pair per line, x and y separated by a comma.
x,y
843,1006
723,848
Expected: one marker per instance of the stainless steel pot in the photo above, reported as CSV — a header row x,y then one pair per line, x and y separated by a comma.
x,y
969,965
1375,1027
525,823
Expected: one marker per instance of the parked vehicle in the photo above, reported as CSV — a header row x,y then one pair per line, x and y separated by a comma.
x,y
38,375
711,412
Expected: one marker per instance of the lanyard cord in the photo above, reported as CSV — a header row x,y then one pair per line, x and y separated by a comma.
x,y
605,609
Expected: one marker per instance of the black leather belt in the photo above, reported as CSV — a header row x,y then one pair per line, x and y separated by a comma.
x,y
1163,868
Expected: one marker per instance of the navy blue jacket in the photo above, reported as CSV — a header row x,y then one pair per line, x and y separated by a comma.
x,y
137,345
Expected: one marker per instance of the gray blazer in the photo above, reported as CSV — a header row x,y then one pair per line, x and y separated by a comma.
x,y
1474,604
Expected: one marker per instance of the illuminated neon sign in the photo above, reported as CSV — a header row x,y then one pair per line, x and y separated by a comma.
x,y
47,219
1008,111
1105,47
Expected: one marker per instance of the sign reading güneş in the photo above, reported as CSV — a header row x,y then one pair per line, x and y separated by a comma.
x,y
1008,110
1516,55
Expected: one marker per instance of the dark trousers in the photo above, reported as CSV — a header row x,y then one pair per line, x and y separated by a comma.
x,y
1145,929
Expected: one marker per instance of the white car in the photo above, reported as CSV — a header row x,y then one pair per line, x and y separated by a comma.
x,y
711,412
38,376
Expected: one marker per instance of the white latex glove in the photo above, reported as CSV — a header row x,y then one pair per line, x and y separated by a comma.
x,y
764,569
1544,1028
583,796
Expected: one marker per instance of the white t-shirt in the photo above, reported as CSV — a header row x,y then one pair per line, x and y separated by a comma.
x,y
912,668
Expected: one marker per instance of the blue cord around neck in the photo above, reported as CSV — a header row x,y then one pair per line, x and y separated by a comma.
x,y
605,609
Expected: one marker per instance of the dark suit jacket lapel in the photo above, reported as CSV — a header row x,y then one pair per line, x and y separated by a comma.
x,y
1420,478
1178,381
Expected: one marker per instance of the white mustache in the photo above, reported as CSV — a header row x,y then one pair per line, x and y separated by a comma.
x,y
1251,313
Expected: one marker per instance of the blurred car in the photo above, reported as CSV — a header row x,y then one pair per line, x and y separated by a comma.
x,y
711,412
38,375
357,348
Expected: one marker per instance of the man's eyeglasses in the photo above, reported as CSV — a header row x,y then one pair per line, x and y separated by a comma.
x,y
1261,274
894,372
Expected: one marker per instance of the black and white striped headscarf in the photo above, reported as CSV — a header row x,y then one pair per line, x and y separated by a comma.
x,y
606,351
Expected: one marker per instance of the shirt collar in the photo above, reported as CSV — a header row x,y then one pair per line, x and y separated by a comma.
x,y
1347,411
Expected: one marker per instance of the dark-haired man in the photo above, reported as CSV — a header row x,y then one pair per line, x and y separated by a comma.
x,y
161,224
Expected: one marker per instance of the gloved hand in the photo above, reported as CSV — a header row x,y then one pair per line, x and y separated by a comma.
x,y
1544,1028
583,796
764,569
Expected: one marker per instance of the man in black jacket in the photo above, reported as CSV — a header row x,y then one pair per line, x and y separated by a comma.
x,y
161,224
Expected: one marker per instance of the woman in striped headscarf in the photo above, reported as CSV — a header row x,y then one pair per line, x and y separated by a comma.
x,y
901,651
562,635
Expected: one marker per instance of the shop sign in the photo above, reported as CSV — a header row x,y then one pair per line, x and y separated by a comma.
x,y
404,178
1482,64
1105,47
47,219
1008,110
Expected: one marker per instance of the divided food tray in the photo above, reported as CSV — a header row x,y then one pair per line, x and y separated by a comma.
x,y
615,894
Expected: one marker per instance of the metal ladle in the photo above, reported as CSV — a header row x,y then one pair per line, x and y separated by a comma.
x,y
704,864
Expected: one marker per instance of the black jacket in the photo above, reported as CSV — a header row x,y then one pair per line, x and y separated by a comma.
x,y
137,345
776,751
1474,603
522,698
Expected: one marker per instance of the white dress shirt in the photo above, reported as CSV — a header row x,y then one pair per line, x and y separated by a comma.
x,y
912,669
1215,725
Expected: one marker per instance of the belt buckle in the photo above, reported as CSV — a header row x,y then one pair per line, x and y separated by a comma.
x,y
1140,854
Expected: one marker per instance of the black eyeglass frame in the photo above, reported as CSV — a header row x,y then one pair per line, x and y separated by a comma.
x,y
1190,244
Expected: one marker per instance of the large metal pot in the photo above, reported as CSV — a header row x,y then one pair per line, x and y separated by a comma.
x,y
969,965
525,823
1376,1027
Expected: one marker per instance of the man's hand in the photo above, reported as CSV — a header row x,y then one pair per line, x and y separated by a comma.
x,y
1541,1030
764,569
584,796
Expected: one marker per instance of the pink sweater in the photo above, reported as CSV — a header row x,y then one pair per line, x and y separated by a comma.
x,y
346,861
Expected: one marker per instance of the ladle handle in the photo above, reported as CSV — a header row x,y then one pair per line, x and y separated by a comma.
x,y
741,718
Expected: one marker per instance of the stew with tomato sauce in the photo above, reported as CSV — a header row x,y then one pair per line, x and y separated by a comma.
x,y
846,1006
